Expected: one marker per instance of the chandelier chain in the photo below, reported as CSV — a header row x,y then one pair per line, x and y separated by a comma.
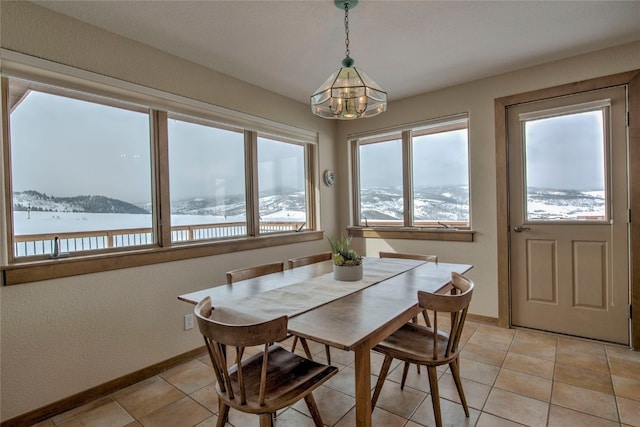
x,y
348,93
346,29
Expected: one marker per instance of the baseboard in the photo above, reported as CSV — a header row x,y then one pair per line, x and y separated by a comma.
x,y
482,319
79,399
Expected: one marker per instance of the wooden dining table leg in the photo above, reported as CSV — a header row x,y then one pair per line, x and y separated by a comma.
x,y
363,386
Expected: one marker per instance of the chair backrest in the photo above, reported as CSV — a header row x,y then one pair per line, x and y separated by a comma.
x,y
217,335
457,304
428,258
310,259
255,271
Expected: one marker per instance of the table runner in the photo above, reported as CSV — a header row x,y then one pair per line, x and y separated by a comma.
x,y
300,297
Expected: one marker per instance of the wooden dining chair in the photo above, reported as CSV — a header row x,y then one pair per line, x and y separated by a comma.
x,y
428,258
425,316
302,261
261,270
265,382
419,257
254,271
429,346
309,259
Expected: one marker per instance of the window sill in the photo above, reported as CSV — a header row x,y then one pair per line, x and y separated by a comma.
x,y
53,269
442,234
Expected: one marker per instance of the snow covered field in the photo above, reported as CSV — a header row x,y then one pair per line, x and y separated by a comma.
x,y
28,223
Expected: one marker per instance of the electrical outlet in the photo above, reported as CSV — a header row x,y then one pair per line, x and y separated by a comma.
x,y
188,322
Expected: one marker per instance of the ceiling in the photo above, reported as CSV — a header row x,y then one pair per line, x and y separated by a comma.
x,y
407,47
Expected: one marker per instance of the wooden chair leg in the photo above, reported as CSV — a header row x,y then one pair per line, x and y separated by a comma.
x,y
406,368
313,409
381,377
426,322
305,346
223,414
435,395
405,371
455,371
426,318
266,420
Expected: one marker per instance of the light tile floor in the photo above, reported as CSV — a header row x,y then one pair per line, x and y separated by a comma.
x,y
510,377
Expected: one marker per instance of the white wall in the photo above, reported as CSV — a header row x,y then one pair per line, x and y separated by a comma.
x,y
60,337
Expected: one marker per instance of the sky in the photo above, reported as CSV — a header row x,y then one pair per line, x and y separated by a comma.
x,y
439,159
64,147
566,152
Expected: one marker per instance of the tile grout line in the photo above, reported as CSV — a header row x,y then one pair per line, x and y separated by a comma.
x,y
613,387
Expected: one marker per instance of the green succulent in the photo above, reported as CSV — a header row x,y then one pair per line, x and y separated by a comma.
x,y
342,252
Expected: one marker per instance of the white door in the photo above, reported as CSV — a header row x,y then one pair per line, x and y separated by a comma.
x,y
568,215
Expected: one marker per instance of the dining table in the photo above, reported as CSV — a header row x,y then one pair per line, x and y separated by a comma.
x,y
348,315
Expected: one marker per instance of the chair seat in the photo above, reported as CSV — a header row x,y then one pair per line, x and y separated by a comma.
x,y
414,343
289,377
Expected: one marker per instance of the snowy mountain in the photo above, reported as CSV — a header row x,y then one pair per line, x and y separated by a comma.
x,y
553,204
437,203
35,201
282,205
451,203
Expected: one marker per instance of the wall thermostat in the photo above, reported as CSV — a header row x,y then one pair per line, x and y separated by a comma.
x,y
329,178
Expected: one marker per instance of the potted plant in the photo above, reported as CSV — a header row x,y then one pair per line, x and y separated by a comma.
x,y
347,264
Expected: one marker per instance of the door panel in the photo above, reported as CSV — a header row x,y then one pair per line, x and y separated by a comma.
x,y
568,215
541,281
590,279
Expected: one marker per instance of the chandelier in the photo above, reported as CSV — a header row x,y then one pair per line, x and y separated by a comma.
x,y
349,93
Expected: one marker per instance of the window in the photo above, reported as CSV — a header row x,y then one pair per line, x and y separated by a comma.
x,y
101,170
281,185
207,181
207,167
381,195
440,177
414,177
81,172
565,167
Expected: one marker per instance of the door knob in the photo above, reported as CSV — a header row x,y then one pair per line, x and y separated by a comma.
x,y
520,229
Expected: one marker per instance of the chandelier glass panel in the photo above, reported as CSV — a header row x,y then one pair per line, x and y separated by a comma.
x,y
349,93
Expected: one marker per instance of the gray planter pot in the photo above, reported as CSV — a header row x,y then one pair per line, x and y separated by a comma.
x,y
347,273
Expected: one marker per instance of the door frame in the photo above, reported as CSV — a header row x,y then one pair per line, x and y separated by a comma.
x,y
630,78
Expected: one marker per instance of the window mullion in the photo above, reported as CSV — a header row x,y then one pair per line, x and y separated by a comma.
x,y
251,180
160,172
407,178
9,256
355,182
311,186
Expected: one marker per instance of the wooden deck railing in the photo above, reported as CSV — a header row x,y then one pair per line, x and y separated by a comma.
x,y
42,244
